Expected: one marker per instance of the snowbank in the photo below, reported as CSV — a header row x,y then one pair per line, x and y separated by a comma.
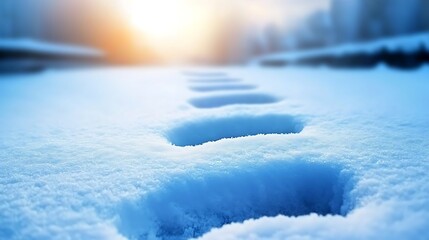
x,y
34,46
404,45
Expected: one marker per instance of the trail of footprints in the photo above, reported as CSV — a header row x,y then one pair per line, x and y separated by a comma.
x,y
200,131
224,83
188,207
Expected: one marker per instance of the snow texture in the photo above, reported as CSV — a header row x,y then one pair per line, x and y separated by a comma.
x,y
190,206
121,153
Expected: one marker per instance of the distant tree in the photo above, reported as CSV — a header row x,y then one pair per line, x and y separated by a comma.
x,y
372,21
347,19
274,36
402,16
5,18
424,15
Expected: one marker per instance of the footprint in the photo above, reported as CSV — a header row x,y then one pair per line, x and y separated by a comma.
x,y
213,129
215,80
222,88
232,99
190,205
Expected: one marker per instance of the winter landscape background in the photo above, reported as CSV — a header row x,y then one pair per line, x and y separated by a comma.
x,y
186,119
220,32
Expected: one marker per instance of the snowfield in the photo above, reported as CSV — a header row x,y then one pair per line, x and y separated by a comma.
x,y
225,153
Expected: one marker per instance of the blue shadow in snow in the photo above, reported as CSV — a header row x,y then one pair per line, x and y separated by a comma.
x,y
190,205
232,99
232,87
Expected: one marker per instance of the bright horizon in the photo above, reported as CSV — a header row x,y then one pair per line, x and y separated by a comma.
x,y
182,29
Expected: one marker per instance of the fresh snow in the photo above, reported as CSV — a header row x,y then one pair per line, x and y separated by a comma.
x,y
141,153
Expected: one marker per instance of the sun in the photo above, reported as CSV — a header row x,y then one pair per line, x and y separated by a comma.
x,y
158,19
169,26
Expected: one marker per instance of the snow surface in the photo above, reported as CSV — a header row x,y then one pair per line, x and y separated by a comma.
x,y
406,44
122,153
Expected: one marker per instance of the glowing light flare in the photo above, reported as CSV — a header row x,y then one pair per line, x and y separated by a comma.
x,y
181,28
155,17
167,25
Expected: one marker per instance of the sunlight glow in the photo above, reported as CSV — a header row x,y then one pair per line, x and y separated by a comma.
x,y
167,25
157,18
193,28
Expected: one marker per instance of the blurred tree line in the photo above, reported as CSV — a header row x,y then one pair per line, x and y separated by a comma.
x,y
344,22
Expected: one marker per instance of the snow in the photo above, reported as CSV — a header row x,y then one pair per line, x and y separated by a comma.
x,y
125,153
406,44
36,46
